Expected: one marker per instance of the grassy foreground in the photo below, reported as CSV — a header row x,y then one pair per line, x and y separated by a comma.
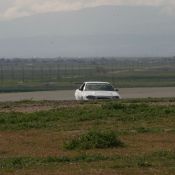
x,y
113,137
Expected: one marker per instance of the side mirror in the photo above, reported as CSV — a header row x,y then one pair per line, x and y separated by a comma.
x,y
116,89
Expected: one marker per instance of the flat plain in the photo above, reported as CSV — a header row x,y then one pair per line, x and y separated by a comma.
x,y
156,92
33,136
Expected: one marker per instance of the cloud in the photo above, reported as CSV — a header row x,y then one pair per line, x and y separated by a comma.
x,y
20,8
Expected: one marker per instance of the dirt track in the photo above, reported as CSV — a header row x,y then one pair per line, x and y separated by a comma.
x,y
69,95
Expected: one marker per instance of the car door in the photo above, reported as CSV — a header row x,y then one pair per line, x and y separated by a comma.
x,y
79,92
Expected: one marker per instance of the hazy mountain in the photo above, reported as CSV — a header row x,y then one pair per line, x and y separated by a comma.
x,y
100,31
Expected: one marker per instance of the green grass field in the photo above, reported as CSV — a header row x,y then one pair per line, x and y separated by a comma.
x,y
100,137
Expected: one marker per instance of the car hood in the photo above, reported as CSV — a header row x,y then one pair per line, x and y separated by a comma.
x,y
101,93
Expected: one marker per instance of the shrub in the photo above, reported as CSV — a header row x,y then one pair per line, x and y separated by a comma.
x,y
94,139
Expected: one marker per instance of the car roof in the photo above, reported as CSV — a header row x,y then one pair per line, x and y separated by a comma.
x,y
96,82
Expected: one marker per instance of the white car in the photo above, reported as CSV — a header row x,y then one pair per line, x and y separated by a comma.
x,y
96,90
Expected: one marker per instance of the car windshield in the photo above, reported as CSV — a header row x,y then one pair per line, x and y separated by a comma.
x,y
98,87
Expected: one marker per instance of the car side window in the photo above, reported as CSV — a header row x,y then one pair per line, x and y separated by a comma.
x,y
82,87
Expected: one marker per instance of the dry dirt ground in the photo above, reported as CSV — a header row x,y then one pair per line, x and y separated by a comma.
x,y
35,106
30,106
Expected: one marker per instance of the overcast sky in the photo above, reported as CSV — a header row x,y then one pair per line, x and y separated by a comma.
x,y
10,9
51,28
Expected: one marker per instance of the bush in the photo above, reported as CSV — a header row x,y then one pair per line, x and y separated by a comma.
x,y
94,139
